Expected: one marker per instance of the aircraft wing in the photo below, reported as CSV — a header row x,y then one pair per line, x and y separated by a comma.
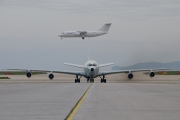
x,y
129,71
82,32
63,72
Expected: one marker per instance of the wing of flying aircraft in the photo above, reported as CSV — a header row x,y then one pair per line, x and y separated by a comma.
x,y
82,32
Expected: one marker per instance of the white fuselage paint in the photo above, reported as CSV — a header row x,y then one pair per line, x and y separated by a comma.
x,y
77,34
91,68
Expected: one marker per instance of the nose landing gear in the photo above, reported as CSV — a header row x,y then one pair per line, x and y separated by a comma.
x,y
91,80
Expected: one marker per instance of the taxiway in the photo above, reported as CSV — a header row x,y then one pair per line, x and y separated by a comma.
x,y
141,98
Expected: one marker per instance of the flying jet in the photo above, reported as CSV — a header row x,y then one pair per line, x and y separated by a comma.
x,y
83,34
91,70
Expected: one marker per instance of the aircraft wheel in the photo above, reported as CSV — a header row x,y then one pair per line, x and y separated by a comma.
x,y
75,80
101,80
79,81
104,80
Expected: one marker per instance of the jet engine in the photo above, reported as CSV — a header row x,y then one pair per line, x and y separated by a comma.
x,y
151,74
51,76
28,74
130,75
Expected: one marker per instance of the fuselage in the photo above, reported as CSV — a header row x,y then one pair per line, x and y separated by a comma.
x,y
78,34
91,68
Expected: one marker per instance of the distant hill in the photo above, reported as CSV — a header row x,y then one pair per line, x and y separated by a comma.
x,y
150,65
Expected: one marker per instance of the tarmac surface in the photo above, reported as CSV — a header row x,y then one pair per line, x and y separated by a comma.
x,y
39,101
142,97
124,101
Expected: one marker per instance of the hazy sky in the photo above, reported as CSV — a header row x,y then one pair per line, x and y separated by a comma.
x,y
141,31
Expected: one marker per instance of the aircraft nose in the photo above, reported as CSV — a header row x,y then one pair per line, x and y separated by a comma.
x,y
61,34
92,69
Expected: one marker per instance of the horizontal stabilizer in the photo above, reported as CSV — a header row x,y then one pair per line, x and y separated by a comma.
x,y
107,64
74,65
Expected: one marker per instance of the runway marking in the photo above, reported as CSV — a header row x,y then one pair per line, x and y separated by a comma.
x,y
75,109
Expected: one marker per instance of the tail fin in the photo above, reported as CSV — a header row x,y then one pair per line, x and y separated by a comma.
x,y
105,27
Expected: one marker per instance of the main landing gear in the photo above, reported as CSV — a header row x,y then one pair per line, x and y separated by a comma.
x,y
103,80
77,80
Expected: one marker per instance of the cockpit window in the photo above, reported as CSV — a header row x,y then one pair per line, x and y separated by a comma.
x,y
92,64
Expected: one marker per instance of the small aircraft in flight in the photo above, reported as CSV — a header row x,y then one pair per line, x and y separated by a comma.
x,y
91,70
83,34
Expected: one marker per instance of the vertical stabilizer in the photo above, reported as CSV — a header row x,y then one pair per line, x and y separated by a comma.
x,y
105,27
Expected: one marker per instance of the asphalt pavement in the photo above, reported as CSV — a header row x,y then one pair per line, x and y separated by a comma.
x,y
122,99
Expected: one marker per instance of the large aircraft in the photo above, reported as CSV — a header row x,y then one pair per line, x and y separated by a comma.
x,y
83,34
91,70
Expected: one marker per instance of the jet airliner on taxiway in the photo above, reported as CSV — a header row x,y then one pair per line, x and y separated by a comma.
x,y
91,71
83,34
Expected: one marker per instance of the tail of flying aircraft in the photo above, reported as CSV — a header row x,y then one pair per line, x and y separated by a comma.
x,y
105,27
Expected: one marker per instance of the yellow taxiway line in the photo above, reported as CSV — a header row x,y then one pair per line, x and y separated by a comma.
x,y
75,109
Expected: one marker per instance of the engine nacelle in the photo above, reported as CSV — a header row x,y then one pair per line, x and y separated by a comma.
x,y
51,76
28,74
151,74
130,75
